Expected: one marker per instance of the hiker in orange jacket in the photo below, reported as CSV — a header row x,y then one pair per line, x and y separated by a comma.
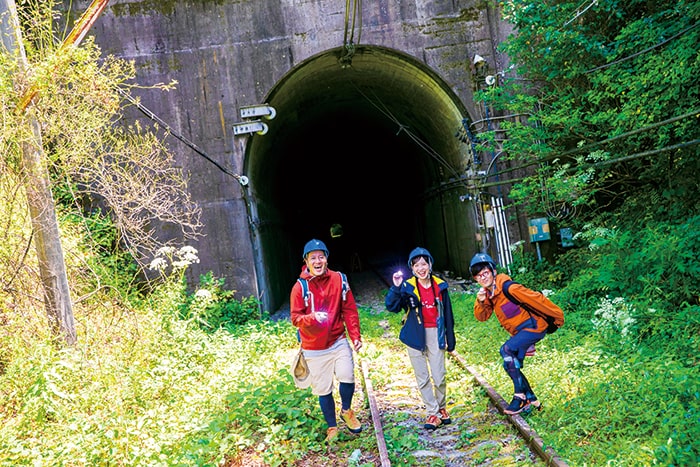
x,y
525,328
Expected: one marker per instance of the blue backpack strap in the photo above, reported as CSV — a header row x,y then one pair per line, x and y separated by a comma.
x,y
346,287
308,296
506,286
305,292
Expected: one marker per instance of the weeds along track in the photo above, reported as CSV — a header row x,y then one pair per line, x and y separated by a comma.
x,y
480,434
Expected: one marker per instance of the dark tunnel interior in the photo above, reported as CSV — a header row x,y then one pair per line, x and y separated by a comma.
x,y
372,148
358,173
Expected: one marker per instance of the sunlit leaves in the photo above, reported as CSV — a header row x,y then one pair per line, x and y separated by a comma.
x,y
601,69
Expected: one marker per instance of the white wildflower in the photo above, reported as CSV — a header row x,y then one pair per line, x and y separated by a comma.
x,y
513,247
165,251
189,254
203,294
158,264
181,264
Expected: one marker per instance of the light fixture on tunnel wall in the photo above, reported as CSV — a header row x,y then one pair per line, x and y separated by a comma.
x,y
336,230
480,71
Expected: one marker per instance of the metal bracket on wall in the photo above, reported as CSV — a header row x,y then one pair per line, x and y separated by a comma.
x,y
262,110
255,126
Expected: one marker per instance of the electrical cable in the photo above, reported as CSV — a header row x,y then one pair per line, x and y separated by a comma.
x,y
499,117
242,179
349,44
660,44
651,152
579,13
605,141
431,152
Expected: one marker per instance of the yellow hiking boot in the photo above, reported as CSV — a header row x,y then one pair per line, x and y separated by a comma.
x,y
351,420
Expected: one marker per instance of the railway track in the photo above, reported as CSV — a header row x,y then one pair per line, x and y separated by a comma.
x,y
481,434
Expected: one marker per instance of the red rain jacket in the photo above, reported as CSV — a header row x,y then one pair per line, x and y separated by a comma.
x,y
327,295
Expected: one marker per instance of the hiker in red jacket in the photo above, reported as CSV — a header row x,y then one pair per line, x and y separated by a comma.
x,y
525,328
323,308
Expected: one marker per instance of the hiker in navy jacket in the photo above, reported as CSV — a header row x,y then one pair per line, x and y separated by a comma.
x,y
428,330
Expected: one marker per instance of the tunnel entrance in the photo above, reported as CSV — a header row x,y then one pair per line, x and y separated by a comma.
x,y
367,144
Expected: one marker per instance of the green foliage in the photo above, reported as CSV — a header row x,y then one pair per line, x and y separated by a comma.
x,y
400,442
110,267
598,80
639,274
601,406
619,382
96,167
213,307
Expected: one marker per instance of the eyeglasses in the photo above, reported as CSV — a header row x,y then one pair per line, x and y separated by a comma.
x,y
483,274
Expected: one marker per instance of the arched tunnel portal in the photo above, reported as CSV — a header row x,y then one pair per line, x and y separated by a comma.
x,y
370,143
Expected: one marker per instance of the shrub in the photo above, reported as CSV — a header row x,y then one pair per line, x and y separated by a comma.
x,y
213,307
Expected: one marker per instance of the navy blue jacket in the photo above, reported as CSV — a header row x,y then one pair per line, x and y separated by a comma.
x,y
405,297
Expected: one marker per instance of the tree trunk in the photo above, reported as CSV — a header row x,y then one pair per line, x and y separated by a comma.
x,y
41,205
48,238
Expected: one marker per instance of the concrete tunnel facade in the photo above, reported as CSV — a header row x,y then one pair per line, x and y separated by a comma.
x,y
364,137
369,145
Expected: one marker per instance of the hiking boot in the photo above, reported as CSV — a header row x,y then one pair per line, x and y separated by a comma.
x,y
445,417
351,420
534,405
331,434
516,406
432,422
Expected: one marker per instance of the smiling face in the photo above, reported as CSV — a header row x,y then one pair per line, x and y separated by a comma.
x,y
420,267
485,277
317,262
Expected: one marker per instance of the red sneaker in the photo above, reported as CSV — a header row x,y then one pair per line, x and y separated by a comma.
x,y
432,422
445,417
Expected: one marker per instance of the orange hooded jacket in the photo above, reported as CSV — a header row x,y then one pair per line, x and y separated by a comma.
x,y
512,317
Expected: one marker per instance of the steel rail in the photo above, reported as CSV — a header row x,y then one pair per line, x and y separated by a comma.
x,y
376,418
533,440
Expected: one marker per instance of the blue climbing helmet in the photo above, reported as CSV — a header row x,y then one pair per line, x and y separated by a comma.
x,y
313,245
420,252
478,262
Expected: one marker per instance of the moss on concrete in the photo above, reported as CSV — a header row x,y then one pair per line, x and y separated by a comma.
x,y
164,7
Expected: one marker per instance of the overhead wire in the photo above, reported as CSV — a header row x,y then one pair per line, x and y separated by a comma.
x,y
648,49
595,144
623,135
579,12
150,114
431,152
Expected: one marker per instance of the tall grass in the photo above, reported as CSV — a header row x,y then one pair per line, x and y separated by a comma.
x,y
145,387
177,377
